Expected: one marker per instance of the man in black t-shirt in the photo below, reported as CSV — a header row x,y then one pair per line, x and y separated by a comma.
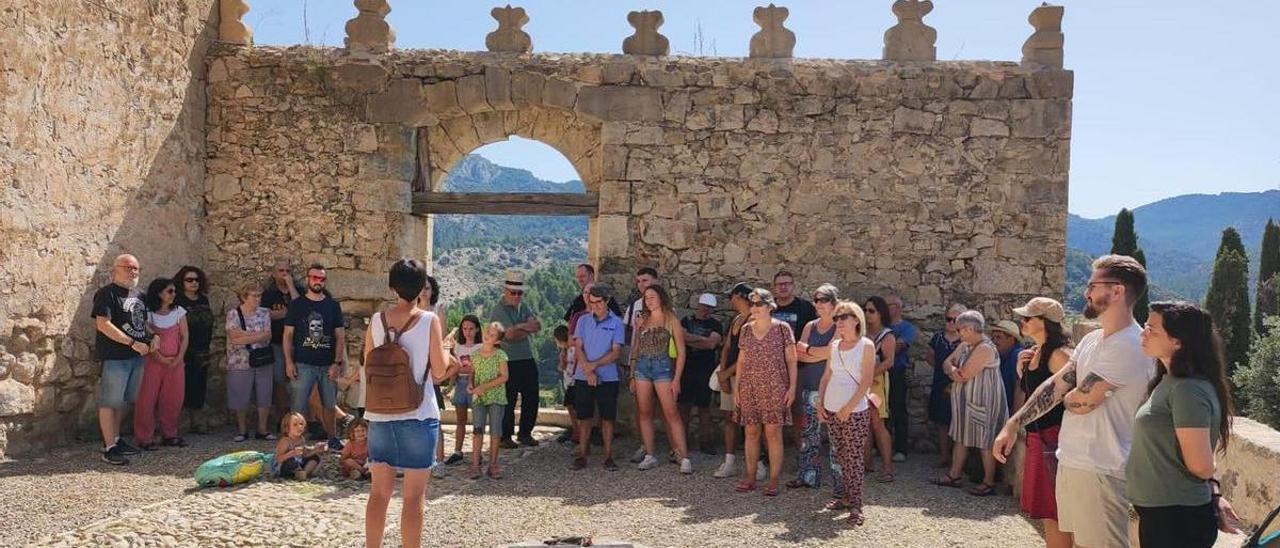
x,y
702,334
281,290
794,310
121,340
314,349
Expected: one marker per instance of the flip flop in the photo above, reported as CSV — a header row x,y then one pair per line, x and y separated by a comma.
x,y
946,480
835,504
885,478
745,486
770,491
983,490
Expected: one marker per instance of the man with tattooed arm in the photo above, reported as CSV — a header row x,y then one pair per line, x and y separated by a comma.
x,y
1101,389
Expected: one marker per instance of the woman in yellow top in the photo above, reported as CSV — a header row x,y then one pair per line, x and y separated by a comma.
x,y
876,310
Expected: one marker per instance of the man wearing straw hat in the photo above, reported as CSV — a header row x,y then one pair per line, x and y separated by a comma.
x,y
522,370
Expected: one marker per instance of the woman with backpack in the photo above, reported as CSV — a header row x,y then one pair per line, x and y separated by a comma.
x,y
403,357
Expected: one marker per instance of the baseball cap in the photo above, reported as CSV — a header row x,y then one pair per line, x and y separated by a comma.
x,y
741,289
707,299
1008,327
1043,307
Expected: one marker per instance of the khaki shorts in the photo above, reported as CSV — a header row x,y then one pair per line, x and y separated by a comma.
x,y
726,402
1093,507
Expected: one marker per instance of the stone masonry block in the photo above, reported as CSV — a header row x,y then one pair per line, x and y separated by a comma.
x,y
471,94
621,103
442,99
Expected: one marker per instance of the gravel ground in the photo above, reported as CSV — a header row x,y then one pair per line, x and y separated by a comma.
x,y
71,499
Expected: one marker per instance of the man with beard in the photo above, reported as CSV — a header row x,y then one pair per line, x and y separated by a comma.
x,y
120,342
585,275
314,349
1101,388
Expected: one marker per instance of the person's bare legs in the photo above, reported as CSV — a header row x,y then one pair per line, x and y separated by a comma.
x,y
477,449
988,466
752,453
730,434
460,432
944,444
883,442
773,437
109,424
242,421
644,414
675,426
414,493
1054,537
582,433
375,511
606,430
686,418
959,453
264,413
493,453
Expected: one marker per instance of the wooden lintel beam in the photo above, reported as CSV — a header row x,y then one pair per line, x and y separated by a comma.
x,y
505,203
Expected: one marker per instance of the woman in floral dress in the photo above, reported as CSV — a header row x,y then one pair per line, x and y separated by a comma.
x,y
766,387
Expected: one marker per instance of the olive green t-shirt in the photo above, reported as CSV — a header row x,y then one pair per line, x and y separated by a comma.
x,y
1156,474
509,316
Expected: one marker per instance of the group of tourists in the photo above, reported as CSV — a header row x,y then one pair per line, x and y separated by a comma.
x,y
1132,416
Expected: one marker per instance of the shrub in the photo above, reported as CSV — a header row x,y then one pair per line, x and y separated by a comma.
x,y
1258,380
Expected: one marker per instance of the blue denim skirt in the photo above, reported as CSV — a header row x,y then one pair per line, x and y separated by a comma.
x,y
406,444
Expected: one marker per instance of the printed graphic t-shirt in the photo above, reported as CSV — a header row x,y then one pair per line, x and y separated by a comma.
x,y
124,309
314,323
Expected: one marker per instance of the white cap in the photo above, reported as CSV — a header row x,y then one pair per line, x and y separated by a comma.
x,y
707,299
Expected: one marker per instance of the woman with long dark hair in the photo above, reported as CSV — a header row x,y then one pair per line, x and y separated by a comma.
x,y
193,296
877,314
1187,415
1041,320
656,371
160,395
462,342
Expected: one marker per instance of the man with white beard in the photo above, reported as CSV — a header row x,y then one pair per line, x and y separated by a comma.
x,y
121,341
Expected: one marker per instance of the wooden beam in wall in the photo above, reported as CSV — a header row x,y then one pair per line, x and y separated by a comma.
x,y
505,203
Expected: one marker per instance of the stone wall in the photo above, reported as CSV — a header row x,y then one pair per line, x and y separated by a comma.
x,y
101,152
942,181
1248,471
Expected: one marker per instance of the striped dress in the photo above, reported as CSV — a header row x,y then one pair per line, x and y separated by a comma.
x,y
978,407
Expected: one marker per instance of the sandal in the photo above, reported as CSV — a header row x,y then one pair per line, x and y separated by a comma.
x,y
475,473
886,477
983,490
494,474
855,519
946,480
834,505
770,490
745,486
240,438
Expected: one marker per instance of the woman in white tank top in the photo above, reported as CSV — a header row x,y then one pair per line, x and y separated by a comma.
x,y
843,406
405,440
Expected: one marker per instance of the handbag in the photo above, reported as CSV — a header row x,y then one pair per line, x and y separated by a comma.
x,y
714,382
258,357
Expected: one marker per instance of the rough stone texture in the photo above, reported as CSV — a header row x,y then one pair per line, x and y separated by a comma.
x,y
102,117
231,26
509,36
773,41
646,40
1248,471
911,39
1045,44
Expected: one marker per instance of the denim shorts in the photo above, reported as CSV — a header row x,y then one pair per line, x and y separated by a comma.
x,y
308,376
120,381
407,444
487,415
655,369
460,396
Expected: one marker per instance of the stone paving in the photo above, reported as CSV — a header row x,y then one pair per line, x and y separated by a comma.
x,y
154,503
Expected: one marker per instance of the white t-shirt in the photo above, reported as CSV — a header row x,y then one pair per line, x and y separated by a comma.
x,y
464,352
168,320
417,342
846,376
566,377
1098,441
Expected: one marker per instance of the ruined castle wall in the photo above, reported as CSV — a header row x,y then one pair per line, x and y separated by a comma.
x,y
942,181
101,152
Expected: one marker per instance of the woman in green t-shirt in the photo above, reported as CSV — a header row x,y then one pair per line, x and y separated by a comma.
x,y
1187,415
488,398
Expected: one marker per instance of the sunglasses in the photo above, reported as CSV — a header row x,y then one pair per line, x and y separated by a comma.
x,y
191,279
169,291
515,293
758,304
842,317
317,278
951,319
821,300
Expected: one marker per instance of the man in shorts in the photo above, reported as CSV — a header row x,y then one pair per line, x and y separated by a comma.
x,y
597,340
702,335
121,340
727,375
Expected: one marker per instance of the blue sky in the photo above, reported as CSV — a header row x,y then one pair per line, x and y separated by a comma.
x,y
1171,98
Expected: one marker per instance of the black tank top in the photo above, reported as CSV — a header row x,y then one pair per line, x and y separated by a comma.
x,y
733,343
1032,379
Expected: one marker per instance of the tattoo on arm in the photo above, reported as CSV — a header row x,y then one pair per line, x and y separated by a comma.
x,y
1088,383
1045,397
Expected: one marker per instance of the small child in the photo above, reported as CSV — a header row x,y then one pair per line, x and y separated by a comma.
x,y
567,367
293,456
488,399
354,461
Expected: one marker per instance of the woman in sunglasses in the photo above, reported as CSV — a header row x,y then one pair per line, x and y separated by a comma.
x,y
843,405
812,351
193,296
766,387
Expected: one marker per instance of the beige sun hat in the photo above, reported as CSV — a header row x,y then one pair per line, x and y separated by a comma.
x,y
1042,307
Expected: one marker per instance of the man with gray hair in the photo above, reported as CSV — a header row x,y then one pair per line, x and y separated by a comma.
x,y
121,340
597,339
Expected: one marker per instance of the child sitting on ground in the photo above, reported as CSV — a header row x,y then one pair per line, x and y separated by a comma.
x,y
294,457
355,454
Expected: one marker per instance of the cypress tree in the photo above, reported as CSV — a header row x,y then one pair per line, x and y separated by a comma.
x,y
1268,266
1228,298
1124,241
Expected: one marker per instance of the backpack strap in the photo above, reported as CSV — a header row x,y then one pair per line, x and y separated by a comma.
x,y
389,335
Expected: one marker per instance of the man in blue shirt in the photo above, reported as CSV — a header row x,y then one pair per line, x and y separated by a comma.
x,y
1006,334
598,338
906,334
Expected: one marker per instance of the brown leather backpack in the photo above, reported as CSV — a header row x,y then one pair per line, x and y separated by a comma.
x,y
392,387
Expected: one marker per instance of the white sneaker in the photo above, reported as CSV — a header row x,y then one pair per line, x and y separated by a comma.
x,y
638,455
648,463
438,471
686,466
726,468
762,471
899,457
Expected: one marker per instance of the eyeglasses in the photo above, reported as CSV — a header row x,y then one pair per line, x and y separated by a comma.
x,y
819,300
317,278
872,311
1091,284
842,317
758,304
192,279
169,291
595,301
514,293
130,268
1024,319
951,319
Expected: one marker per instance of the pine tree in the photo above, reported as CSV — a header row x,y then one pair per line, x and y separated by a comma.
x,y
1228,298
1268,266
1124,241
